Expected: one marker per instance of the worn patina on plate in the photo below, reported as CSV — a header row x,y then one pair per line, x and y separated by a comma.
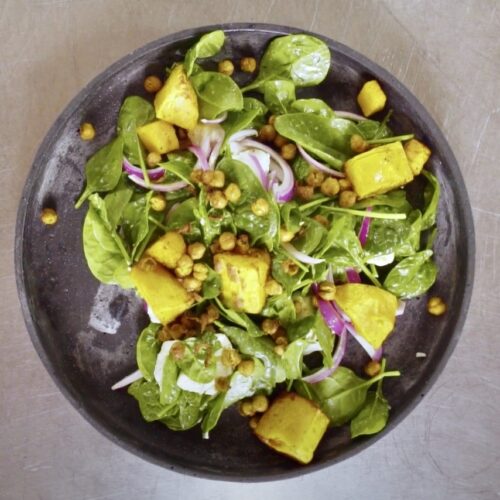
x,y
64,306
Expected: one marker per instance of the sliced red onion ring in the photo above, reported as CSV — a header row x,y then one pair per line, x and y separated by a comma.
x,y
320,375
212,159
365,228
164,188
318,165
200,155
352,275
300,256
284,190
153,173
219,119
242,134
137,375
258,170
330,315
370,350
350,116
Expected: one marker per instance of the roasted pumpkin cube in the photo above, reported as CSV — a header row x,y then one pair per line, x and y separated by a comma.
x,y
176,102
372,310
379,170
293,426
158,137
418,154
159,288
371,98
168,249
243,280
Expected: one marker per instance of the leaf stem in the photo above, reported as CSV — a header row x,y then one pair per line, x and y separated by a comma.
x,y
387,140
156,223
313,203
363,213
143,166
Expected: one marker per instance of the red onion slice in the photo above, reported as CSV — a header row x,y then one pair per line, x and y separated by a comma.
x,y
370,350
350,116
219,119
154,173
320,375
365,228
300,256
258,170
137,375
242,134
352,275
164,188
212,159
200,155
318,165
330,315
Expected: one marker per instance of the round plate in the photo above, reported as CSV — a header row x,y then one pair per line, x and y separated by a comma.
x,y
62,303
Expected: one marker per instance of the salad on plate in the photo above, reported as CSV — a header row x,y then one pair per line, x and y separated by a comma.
x,y
262,229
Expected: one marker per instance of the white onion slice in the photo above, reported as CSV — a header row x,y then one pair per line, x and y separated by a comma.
x,y
318,165
137,375
153,173
300,256
242,134
165,188
219,119
350,116
200,156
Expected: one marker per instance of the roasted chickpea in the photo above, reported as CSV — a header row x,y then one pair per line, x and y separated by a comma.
x,y
177,350
271,120
207,177
158,203
281,340
153,159
217,199
436,306
372,368
212,313
243,244
246,367
218,179
267,133
290,267
226,67
260,207
279,350
305,192
253,422
246,408
347,198
358,144
87,131
326,290
48,216
315,178
260,403
197,175
152,84
196,250
191,284
232,192
200,271
288,151
280,141
184,266
330,187
221,384
270,326
227,241
344,184
248,64
272,288
230,358
285,235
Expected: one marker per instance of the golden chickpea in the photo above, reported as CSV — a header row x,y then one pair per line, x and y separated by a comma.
x,y
230,358
260,403
344,184
48,216
177,350
200,271
227,241
191,284
267,133
226,67
330,187
152,84
372,368
260,207
243,244
326,290
184,266
270,326
87,131
285,235
358,144
221,384
253,422
271,120
347,198
272,288
246,408
196,250
315,178
288,151
153,159
158,203
147,264
322,220
246,367
197,175
436,306
218,179
279,350
290,267
304,192
207,177
248,64
217,199
280,141
232,193
281,340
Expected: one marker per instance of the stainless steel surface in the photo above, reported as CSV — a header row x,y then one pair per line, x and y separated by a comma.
x,y
448,54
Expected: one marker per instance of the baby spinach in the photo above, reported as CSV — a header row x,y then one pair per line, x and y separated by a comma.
x,y
371,129
212,285
291,216
431,196
316,106
103,170
280,307
412,276
135,221
117,200
147,394
134,112
395,199
292,358
239,318
300,168
213,413
311,234
147,349
279,95
303,59
279,273
216,93
208,45
314,133
169,389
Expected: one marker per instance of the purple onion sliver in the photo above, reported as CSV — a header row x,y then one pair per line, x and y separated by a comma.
x,y
318,165
154,173
259,171
365,228
300,256
370,350
378,355
164,188
350,116
212,159
202,159
352,275
332,319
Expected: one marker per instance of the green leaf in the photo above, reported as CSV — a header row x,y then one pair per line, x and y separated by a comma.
x,y
170,391
300,168
103,170
148,397
373,416
412,276
316,106
303,59
280,307
134,112
212,285
372,129
291,216
292,358
431,195
207,46
239,318
216,93
147,349
279,95
117,200
135,221
215,409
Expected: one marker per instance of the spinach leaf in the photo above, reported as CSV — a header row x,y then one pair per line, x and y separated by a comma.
x,y
252,104
188,411
170,391
135,221
431,196
251,116
216,93
147,349
134,112
300,168
212,221
371,129
291,216
312,233
395,199
196,369
148,397
317,106
212,285
341,245
279,95
303,59
281,307
183,214
281,276
117,200
106,256
214,411
207,46
239,318
412,276
292,358
314,133
103,170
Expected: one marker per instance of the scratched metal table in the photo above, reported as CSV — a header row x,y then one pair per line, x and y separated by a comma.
x,y
448,54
